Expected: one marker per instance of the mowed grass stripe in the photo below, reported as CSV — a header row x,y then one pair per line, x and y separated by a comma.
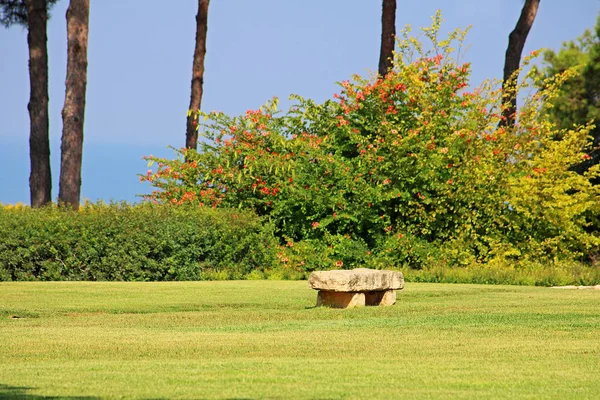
x,y
265,339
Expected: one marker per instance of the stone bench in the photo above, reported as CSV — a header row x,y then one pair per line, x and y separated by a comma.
x,y
356,288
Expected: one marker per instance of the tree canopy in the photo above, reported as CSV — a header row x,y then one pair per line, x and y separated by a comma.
x,y
578,100
15,11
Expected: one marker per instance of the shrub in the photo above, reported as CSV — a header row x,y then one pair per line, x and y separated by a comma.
x,y
132,243
507,273
406,170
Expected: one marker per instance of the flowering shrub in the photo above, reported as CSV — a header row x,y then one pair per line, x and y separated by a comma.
x,y
406,169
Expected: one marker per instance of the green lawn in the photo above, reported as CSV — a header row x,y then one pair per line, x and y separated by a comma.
x,y
264,339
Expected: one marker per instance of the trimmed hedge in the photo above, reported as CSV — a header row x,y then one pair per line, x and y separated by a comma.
x,y
132,243
149,242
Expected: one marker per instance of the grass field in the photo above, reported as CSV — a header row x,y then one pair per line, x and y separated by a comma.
x,y
264,339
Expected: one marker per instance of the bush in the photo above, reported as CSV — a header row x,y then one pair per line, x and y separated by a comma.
x,y
132,243
503,273
406,170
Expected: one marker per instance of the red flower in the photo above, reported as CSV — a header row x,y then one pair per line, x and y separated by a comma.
x,y
342,121
339,263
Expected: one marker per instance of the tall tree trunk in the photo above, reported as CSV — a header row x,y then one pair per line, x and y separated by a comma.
x,y
74,108
516,42
388,36
191,134
40,180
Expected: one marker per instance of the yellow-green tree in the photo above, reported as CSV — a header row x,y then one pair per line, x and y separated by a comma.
x,y
578,99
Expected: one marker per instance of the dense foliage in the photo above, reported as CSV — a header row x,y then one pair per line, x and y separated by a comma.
x,y
406,170
133,243
15,11
578,99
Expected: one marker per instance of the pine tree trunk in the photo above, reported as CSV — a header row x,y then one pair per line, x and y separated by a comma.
x,y
388,36
191,135
516,42
74,108
40,180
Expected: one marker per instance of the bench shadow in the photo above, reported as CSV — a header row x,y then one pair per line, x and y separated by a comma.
x,y
21,393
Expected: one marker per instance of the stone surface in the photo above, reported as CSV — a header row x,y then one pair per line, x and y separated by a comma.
x,y
356,280
386,298
340,299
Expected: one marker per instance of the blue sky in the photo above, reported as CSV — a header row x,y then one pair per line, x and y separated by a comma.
x,y
140,59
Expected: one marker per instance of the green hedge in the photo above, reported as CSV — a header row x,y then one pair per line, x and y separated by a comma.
x,y
132,243
529,273
148,242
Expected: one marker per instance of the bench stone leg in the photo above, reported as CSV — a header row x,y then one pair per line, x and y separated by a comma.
x,y
340,299
384,298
